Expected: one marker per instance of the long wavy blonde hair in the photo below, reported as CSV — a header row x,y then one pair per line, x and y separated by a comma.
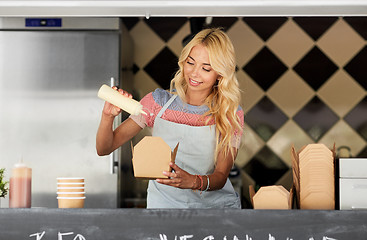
x,y
224,99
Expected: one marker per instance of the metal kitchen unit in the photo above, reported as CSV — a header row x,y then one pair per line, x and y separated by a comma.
x,y
50,72
353,183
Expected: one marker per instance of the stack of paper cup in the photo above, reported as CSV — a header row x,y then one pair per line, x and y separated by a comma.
x,y
70,192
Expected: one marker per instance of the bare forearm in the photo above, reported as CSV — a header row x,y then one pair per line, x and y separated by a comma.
x,y
108,139
218,179
104,140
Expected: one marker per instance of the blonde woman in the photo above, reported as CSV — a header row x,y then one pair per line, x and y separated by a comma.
x,y
201,112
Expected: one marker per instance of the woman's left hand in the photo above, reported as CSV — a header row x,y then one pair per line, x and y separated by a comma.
x,y
178,178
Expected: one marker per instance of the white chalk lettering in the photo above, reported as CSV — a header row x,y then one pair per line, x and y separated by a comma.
x,y
79,237
234,237
211,237
162,237
38,235
186,237
59,236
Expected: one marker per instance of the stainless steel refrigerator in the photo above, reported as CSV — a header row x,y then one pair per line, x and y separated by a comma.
x,y
50,72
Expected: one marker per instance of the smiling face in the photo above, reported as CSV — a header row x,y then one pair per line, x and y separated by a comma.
x,y
198,73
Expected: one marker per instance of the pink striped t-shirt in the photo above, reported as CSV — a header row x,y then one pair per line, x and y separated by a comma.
x,y
178,112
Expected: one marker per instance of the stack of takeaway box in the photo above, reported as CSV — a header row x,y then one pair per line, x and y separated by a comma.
x,y
314,176
313,182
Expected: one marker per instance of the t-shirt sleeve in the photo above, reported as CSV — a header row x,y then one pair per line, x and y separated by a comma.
x,y
143,120
152,104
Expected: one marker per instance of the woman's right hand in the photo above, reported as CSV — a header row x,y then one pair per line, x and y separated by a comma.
x,y
110,109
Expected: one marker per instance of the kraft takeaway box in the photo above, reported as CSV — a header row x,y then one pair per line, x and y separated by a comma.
x,y
151,156
271,197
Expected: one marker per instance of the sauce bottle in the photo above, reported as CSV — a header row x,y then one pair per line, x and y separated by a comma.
x,y
20,186
114,97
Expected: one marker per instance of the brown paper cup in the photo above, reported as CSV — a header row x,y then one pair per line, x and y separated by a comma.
x,y
70,189
71,202
70,184
70,180
71,194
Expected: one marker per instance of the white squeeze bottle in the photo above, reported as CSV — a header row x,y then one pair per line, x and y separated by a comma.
x,y
114,97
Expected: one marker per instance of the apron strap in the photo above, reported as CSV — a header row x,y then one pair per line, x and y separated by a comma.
x,y
164,108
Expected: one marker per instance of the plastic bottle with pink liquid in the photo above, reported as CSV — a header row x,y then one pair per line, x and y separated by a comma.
x,y
20,186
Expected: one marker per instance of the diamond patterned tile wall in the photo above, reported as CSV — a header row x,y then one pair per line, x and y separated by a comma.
x,y
266,167
315,68
263,26
265,118
315,27
303,81
265,68
290,43
357,118
332,41
316,118
357,69
162,73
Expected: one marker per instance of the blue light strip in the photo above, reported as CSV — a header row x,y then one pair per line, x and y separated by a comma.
x,y
43,22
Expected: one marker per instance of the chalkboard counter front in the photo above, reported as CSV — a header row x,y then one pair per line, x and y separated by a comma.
x,y
105,224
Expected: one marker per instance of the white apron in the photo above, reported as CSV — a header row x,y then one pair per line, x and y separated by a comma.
x,y
196,156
